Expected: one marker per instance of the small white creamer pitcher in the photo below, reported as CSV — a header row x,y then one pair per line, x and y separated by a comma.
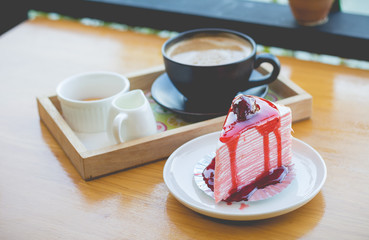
x,y
130,117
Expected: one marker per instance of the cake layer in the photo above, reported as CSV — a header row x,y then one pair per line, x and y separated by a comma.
x,y
253,151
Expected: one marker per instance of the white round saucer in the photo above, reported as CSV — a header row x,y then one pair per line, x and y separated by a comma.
x,y
310,176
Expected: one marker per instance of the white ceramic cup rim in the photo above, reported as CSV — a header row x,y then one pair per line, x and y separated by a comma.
x,y
79,77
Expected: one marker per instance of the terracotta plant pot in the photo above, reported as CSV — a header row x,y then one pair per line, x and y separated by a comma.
x,y
310,12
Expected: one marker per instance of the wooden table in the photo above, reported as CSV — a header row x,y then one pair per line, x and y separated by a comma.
x,y
43,197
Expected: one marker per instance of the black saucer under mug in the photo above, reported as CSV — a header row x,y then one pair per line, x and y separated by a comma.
x,y
167,96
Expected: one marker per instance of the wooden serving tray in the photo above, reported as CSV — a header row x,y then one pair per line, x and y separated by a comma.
x,y
109,159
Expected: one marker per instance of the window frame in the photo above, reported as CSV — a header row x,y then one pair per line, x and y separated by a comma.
x,y
344,35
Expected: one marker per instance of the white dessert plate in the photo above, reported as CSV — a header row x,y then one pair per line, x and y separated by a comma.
x,y
310,171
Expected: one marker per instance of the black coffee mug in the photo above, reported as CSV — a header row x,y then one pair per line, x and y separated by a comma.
x,y
212,86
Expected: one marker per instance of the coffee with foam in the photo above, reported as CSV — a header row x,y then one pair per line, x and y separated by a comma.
x,y
210,50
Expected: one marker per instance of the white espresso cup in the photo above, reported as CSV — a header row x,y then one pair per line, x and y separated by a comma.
x,y
86,99
130,117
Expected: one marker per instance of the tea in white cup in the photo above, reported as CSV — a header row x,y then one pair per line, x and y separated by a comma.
x,y
86,99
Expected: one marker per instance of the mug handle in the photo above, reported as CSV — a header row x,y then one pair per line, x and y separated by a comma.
x,y
117,126
269,58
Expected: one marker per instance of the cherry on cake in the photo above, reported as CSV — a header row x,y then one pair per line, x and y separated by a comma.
x,y
253,155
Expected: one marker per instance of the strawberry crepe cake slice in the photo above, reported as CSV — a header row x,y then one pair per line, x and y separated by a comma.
x,y
253,156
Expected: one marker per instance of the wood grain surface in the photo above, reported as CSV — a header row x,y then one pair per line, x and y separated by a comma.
x,y
42,196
